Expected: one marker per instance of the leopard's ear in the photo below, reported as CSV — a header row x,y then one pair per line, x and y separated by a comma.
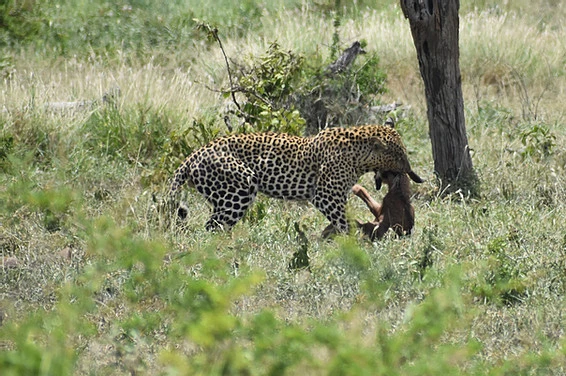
x,y
378,144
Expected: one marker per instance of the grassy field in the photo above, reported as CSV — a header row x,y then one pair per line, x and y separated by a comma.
x,y
94,279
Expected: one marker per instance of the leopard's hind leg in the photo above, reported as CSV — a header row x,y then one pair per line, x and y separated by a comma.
x,y
230,186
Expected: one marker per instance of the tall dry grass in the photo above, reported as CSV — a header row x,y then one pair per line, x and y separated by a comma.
x,y
514,58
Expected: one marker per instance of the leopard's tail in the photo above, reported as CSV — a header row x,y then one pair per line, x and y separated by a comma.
x,y
180,178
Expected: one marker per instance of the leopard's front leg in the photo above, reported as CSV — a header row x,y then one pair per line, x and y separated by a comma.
x,y
334,209
330,198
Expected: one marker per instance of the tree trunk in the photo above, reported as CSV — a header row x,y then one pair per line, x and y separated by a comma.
x,y
434,27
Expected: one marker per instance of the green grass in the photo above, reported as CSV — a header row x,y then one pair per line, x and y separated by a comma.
x,y
94,279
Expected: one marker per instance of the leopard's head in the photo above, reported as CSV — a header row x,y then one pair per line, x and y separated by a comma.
x,y
388,151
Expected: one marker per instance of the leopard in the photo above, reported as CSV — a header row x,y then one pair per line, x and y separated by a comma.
x,y
231,170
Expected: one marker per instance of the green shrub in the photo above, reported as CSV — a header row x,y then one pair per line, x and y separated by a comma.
x,y
504,281
267,86
284,94
20,21
538,141
370,78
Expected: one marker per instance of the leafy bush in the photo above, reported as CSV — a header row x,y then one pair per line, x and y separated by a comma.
x,y
283,94
342,99
267,85
538,141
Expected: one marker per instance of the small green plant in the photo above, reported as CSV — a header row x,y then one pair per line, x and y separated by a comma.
x,y
106,131
300,258
54,205
28,132
503,282
431,244
538,141
257,212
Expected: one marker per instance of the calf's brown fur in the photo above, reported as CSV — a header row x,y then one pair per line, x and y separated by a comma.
x,y
395,211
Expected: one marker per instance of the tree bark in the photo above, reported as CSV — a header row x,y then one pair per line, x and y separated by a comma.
x,y
434,27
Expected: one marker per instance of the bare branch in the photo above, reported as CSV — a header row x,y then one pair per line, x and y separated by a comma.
x,y
212,31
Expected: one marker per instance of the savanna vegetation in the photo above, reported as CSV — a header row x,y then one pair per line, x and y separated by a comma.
x,y
100,101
